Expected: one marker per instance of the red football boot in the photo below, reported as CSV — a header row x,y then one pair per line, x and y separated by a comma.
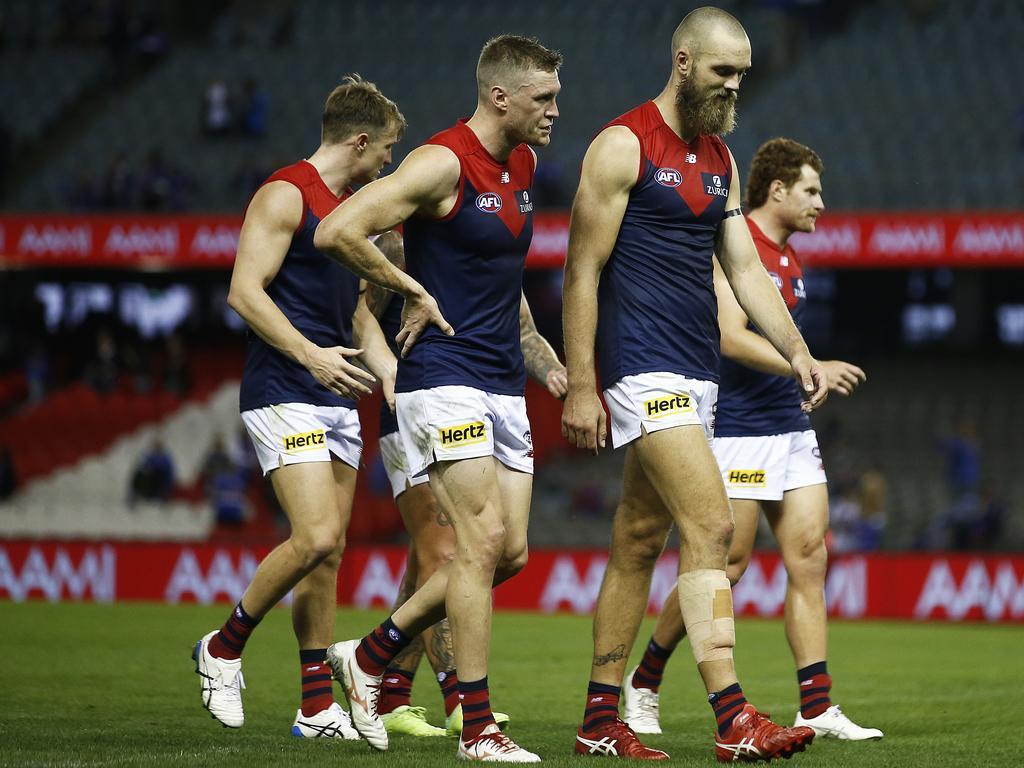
x,y
615,739
752,736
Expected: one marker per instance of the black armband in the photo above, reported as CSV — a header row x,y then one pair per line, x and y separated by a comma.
x,y
733,212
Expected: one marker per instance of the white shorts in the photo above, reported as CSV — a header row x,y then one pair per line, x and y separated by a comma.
x,y
764,468
453,423
392,454
658,401
294,433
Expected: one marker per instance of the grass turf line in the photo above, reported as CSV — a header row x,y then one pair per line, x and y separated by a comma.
x,y
94,685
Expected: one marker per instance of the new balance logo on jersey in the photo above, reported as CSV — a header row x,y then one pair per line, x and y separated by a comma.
x,y
668,177
488,202
713,185
669,405
748,477
304,441
505,178
691,158
463,434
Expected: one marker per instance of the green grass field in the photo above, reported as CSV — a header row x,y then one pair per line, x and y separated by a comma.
x,y
88,685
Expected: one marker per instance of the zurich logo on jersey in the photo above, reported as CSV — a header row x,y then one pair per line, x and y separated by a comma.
x,y
668,177
488,202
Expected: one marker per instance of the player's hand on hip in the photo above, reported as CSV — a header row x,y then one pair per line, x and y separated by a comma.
x,y
813,381
557,382
843,377
420,311
329,366
584,422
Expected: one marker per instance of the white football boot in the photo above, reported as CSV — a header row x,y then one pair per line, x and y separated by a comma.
x,y
362,691
833,724
640,707
331,723
221,684
493,746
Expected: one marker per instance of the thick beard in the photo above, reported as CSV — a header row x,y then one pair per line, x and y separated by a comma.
x,y
708,114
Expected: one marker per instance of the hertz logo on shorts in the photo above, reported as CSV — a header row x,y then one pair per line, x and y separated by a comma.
x,y
463,434
748,477
304,441
668,405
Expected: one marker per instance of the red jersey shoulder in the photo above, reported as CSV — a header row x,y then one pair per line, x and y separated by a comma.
x,y
316,197
782,265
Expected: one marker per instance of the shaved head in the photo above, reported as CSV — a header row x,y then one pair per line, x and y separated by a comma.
x,y
701,26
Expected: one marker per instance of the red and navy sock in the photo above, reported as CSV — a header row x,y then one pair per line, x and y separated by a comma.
x,y
230,641
449,682
652,667
378,648
602,705
317,693
395,690
815,684
476,708
727,703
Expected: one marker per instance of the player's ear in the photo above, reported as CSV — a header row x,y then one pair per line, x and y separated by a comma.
x,y
684,63
499,98
362,142
777,190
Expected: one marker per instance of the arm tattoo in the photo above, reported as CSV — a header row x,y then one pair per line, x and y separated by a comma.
x,y
539,357
391,245
616,654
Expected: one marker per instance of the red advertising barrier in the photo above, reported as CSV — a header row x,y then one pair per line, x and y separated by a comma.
x,y
884,586
841,240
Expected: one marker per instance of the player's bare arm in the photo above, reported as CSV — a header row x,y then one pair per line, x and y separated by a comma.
x,y
753,350
542,364
377,356
761,300
425,182
270,221
609,173
393,247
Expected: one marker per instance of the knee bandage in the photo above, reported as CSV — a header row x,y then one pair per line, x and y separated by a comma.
x,y
705,599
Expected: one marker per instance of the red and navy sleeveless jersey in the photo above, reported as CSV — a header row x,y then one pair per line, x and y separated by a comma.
x,y
315,293
471,261
390,323
656,301
752,403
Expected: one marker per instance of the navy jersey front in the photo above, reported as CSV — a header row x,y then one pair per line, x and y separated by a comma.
x,y
315,293
656,301
471,261
752,403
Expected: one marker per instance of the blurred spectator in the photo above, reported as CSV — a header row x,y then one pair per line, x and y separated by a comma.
x,y
118,190
102,371
153,478
156,186
247,178
218,111
225,484
176,378
963,458
37,373
8,478
255,109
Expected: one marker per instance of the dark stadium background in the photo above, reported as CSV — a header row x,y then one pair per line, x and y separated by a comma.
x,y
122,191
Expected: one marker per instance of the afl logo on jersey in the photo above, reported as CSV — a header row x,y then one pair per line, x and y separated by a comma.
x,y
488,202
668,177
